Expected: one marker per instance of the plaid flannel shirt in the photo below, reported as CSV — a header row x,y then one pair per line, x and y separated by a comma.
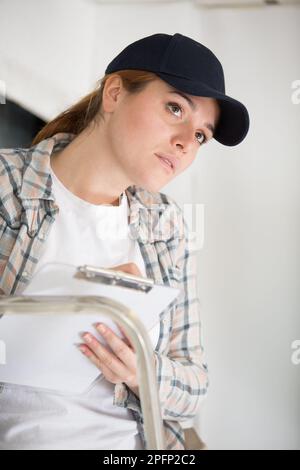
x,y
27,212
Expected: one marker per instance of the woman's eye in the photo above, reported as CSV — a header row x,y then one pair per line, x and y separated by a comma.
x,y
203,138
175,105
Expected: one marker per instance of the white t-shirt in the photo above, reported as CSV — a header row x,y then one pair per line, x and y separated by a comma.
x,y
83,233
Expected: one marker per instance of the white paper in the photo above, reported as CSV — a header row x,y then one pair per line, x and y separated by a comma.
x,y
41,350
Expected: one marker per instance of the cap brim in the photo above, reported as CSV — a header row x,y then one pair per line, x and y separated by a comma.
x,y
233,124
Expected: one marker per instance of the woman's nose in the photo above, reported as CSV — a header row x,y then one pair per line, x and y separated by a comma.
x,y
185,140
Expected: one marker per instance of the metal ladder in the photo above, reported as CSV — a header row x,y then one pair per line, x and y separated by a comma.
x,y
134,328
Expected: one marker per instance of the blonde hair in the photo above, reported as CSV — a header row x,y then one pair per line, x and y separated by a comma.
x,y
77,117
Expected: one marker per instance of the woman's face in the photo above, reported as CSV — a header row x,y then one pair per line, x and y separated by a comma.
x,y
156,121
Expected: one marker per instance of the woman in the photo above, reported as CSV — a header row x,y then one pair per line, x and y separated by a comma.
x,y
103,161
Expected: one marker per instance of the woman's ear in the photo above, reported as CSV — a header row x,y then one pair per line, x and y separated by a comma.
x,y
113,92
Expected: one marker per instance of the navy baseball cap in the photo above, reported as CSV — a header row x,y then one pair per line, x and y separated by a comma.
x,y
190,67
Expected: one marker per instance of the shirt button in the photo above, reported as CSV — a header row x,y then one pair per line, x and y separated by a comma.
x,y
41,236
25,274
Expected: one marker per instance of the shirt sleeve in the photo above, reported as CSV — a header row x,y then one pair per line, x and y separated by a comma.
x,y
182,373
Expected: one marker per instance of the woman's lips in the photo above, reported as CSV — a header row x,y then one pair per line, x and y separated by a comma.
x,y
165,164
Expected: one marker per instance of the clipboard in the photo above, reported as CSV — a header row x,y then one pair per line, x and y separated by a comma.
x,y
41,349
115,278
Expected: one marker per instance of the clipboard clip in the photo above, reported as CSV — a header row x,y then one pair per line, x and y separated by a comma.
x,y
115,278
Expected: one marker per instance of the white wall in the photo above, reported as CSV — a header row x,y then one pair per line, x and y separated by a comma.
x,y
46,52
50,54
250,264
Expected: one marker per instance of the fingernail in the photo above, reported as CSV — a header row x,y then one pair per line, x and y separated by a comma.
x,y
87,337
101,328
82,348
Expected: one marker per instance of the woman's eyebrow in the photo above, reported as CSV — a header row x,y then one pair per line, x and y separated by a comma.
x,y
194,107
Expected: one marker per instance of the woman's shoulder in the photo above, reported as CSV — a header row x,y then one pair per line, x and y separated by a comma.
x,y
15,156
12,164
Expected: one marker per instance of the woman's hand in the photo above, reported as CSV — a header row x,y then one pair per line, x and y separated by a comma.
x,y
120,364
